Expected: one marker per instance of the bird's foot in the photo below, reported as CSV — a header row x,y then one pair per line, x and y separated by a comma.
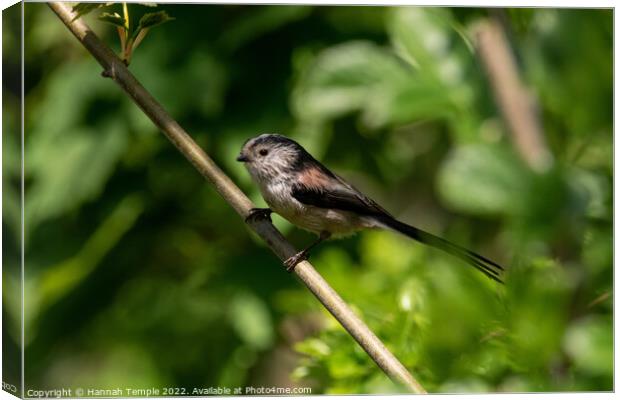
x,y
292,262
257,214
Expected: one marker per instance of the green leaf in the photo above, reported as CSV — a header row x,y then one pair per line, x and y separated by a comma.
x,y
150,20
421,35
481,179
69,156
81,163
84,8
589,341
349,77
433,43
313,347
361,76
265,19
342,366
114,19
251,320
430,39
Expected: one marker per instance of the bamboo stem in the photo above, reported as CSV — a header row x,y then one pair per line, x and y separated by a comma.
x,y
512,96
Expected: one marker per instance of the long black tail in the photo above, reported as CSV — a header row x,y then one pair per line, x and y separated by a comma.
x,y
482,264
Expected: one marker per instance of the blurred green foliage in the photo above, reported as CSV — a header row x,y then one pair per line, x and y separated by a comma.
x,y
138,274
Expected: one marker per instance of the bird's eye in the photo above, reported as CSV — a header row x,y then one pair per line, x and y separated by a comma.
x,y
263,152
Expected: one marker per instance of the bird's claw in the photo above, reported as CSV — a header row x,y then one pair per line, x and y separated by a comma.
x,y
256,214
292,262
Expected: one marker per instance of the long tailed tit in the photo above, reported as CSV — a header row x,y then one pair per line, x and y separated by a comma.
x,y
303,191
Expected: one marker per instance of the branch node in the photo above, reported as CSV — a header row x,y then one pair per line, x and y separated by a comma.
x,y
109,72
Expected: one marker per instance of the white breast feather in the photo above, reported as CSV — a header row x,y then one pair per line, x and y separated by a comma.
x,y
314,219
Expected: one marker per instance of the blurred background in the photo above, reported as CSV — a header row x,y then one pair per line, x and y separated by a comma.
x,y
138,274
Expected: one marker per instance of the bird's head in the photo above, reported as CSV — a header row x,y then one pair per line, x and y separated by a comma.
x,y
270,155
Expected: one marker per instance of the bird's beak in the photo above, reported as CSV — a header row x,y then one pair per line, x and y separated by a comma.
x,y
242,158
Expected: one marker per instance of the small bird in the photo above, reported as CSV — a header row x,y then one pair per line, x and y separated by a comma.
x,y
306,193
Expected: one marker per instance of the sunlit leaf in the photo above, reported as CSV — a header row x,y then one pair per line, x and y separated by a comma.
x,y
150,20
313,347
342,366
114,19
352,76
361,76
484,180
588,341
422,36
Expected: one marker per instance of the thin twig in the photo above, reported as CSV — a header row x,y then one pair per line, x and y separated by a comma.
x,y
115,69
512,96
604,296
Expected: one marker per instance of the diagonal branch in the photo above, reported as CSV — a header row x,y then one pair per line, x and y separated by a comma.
x,y
115,69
